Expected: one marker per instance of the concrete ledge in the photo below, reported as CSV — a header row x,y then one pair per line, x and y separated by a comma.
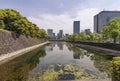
x,y
6,57
88,80
99,49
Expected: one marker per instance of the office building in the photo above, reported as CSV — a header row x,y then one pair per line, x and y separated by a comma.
x,y
54,37
58,36
61,33
102,19
87,31
50,32
76,27
66,35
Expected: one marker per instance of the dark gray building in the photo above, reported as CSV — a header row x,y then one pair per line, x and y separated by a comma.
x,y
76,27
102,19
54,37
60,34
66,34
50,32
87,31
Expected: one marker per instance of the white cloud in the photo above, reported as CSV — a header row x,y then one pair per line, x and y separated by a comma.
x,y
55,22
86,17
65,21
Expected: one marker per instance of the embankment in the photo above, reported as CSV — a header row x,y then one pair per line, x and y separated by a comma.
x,y
9,56
10,41
103,45
109,48
13,45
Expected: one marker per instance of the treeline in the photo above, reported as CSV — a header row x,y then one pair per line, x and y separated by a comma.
x,y
89,37
109,33
13,21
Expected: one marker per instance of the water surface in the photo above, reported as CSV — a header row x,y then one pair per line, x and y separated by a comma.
x,y
57,61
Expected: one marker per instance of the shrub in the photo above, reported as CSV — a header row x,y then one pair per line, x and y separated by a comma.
x,y
116,69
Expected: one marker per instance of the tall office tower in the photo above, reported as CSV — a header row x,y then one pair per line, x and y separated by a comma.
x,y
50,32
102,19
61,33
76,27
54,37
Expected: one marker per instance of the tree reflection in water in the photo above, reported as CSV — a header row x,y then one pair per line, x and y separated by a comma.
x,y
78,53
75,71
18,69
102,61
63,72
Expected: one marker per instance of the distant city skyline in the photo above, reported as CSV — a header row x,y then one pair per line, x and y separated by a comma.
x,y
57,35
60,14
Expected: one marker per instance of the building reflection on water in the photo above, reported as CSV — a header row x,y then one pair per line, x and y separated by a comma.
x,y
52,45
76,55
60,45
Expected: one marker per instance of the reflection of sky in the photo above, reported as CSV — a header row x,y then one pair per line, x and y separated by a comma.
x,y
57,56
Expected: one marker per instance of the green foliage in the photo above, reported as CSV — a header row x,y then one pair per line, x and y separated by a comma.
x,y
13,21
116,69
49,75
71,38
58,72
112,30
2,25
84,37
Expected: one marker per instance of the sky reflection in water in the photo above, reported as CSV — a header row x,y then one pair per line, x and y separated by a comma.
x,y
80,63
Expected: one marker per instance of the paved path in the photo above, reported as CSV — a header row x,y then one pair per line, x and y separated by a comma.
x,y
6,57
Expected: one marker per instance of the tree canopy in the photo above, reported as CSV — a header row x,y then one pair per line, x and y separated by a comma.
x,y
13,21
112,30
84,37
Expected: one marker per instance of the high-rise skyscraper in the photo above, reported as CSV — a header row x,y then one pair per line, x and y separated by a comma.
x,y
76,27
50,32
61,33
54,37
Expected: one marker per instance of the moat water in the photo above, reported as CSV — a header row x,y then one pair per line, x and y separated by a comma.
x,y
57,61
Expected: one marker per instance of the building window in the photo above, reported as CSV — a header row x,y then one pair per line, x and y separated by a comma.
x,y
107,20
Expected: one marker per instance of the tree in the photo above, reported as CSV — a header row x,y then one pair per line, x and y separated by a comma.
x,y
115,34
115,69
112,29
13,21
2,25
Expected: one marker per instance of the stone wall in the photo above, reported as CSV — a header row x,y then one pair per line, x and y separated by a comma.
x,y
10,41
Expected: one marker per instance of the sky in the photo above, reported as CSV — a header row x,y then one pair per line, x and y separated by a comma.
x,y
60,14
